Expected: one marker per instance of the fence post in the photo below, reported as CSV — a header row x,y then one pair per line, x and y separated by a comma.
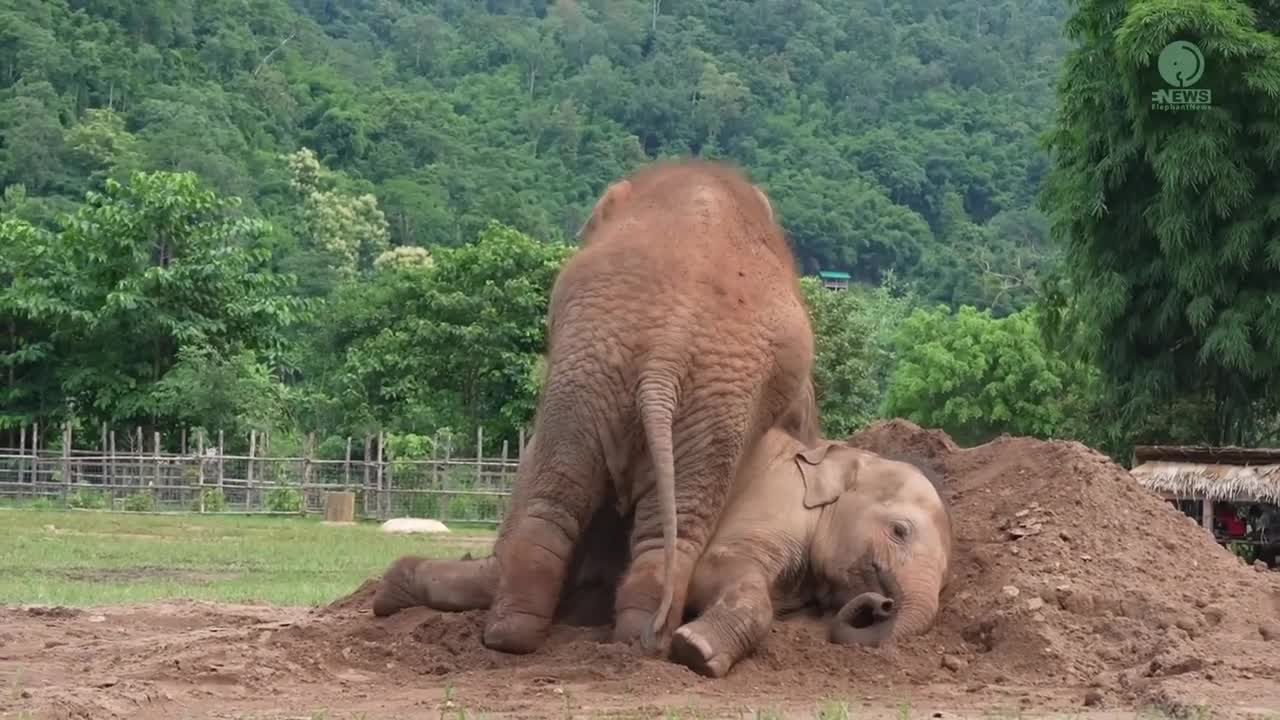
x,y
346,467
479,455
248,480
200,465
441,513
182,441
155,451
112,441
66,460
35,457
308,451
435,464
221,468
22,454
382,504
364,482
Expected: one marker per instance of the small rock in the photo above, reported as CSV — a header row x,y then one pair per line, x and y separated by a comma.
x,y
1035,604
1260,566
1014,551
98,618
1021,513
1011,591
26,694
1093,698
1086,558
1066,536
109,682
953,663
558,691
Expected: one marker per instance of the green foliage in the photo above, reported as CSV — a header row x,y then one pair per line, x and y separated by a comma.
x,y
147,278
140,502
88,499
869,123
1168,220
214,500
451,343
853,355
283,498
976,377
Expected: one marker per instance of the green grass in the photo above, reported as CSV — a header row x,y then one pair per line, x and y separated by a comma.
x,y
84,558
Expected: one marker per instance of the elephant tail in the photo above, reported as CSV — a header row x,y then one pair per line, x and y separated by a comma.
x,y
657,401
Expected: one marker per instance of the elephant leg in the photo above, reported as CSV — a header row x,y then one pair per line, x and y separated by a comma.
x,y
450,585
732,591
561,490
702,490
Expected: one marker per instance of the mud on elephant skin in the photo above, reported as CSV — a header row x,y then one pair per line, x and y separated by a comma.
x,y
865,539
677,335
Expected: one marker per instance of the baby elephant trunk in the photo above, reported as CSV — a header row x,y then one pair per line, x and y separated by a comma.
x,y
867,619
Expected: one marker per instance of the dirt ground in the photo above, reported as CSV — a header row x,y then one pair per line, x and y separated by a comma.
x,y
1076,594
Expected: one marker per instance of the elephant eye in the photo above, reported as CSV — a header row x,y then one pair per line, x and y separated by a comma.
x,y
901,530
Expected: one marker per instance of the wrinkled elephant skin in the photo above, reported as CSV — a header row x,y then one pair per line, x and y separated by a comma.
x,y
677,336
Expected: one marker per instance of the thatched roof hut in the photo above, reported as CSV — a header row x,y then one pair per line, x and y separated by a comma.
x,y
1224,474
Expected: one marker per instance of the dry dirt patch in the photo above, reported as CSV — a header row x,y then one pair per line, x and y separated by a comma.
x,y
1073,586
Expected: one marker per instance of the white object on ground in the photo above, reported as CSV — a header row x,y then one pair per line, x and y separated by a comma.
x,y
414,525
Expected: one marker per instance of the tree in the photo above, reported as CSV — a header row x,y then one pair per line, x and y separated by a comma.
x,y
853,353
143,272
454,342
1166,217
975,377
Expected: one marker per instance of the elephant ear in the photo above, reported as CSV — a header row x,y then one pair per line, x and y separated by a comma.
x,y
613,196
768,206
826,474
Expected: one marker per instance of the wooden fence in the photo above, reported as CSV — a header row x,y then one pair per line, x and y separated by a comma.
x,y
205,479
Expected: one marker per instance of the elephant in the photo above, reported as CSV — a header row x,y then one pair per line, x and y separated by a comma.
x,y
865,538
862,537
677,334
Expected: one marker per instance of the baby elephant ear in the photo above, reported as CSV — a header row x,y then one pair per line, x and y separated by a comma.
x,y
826,472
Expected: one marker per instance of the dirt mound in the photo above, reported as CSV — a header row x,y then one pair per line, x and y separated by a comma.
x,y
1069,573
1070,583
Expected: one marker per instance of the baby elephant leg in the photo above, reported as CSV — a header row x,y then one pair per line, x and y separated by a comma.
x,y
449,585
732,592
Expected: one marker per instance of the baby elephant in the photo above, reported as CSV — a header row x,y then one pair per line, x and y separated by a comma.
x,y
828,525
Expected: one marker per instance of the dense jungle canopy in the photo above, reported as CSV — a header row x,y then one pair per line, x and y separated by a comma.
x,y
312,215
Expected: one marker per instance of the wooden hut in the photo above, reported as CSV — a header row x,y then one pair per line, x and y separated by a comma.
x,y
1218,485
835,280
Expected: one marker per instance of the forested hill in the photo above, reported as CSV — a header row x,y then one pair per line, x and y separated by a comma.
x,y
893,134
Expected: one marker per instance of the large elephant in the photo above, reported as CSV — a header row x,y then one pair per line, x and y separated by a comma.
x,y
677,335
824,524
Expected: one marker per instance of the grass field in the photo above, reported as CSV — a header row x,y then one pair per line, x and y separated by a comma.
x,y
84,558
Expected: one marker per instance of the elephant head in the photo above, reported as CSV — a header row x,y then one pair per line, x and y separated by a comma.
x,y
881,546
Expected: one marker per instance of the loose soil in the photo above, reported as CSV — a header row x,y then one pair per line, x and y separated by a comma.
x,y
1074,591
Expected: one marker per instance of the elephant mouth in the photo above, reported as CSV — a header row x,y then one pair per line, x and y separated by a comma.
x,y
868,617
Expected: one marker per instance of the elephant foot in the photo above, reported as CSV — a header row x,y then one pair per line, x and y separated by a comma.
x,y
517,633
395,592
695,652
635,627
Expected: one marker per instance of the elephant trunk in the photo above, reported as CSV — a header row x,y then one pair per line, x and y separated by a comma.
x,y
872,618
